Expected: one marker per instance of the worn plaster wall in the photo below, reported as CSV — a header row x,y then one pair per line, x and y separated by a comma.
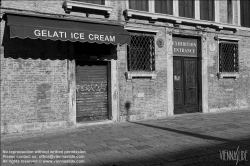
x,y
223,12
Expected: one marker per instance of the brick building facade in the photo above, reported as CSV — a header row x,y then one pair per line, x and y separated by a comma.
x,y
177,60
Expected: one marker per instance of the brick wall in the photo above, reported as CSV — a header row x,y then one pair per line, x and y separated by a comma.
x,y
229,93
34,83
143,98
54,7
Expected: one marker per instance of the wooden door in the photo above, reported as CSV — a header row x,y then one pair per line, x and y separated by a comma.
x,y
91,91
185,85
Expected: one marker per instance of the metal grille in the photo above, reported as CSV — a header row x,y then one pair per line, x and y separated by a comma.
x,y
141,53
229,57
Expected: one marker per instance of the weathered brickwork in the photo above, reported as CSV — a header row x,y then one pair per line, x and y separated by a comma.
x,y
54,8
143,98
229,93
38,76
34,85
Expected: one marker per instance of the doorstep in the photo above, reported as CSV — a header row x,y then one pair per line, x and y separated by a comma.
x,y
91,123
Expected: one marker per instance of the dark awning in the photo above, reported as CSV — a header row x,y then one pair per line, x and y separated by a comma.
x,y
27,26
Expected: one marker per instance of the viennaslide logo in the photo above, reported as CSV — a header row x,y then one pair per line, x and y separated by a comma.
x,y
233,155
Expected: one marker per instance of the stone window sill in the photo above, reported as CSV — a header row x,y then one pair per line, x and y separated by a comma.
x,y
227,37
228,75
68,4
140,74
129,13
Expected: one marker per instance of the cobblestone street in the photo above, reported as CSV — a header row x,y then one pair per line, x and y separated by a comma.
x,y
191,139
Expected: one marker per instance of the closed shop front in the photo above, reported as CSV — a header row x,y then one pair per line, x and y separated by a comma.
x,y
91,91
76,84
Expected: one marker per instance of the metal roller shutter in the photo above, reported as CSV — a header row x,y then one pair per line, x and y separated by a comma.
x,y
91,91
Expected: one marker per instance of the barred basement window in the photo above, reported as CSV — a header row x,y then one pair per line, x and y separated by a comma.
x,y
141,53
228,57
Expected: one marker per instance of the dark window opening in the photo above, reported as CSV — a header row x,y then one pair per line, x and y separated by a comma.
x,y
186,8
141,53
229,11
207,10
93,50
100,2
139,5
164,6
245,13
228,57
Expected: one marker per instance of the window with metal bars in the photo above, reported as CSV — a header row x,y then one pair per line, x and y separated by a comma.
x,y
141,53
228,57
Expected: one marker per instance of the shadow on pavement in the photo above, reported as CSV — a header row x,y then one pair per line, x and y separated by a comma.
x,y
221,152
207,137
213,155
207,151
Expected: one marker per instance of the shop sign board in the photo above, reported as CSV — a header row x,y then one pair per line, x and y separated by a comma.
x,y
184,47
57,34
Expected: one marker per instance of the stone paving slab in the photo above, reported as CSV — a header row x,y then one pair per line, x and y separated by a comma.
x,y
182,140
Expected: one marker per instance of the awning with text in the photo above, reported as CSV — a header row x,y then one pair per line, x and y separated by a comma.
x,y
28,26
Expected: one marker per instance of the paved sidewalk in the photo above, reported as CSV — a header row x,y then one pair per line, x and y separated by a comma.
x,y
191,139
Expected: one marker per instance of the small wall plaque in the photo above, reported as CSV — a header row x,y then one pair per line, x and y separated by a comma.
x,y
140,95
177,78
212,47
160,42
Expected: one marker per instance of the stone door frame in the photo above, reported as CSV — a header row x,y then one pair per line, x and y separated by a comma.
x,y
170,32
